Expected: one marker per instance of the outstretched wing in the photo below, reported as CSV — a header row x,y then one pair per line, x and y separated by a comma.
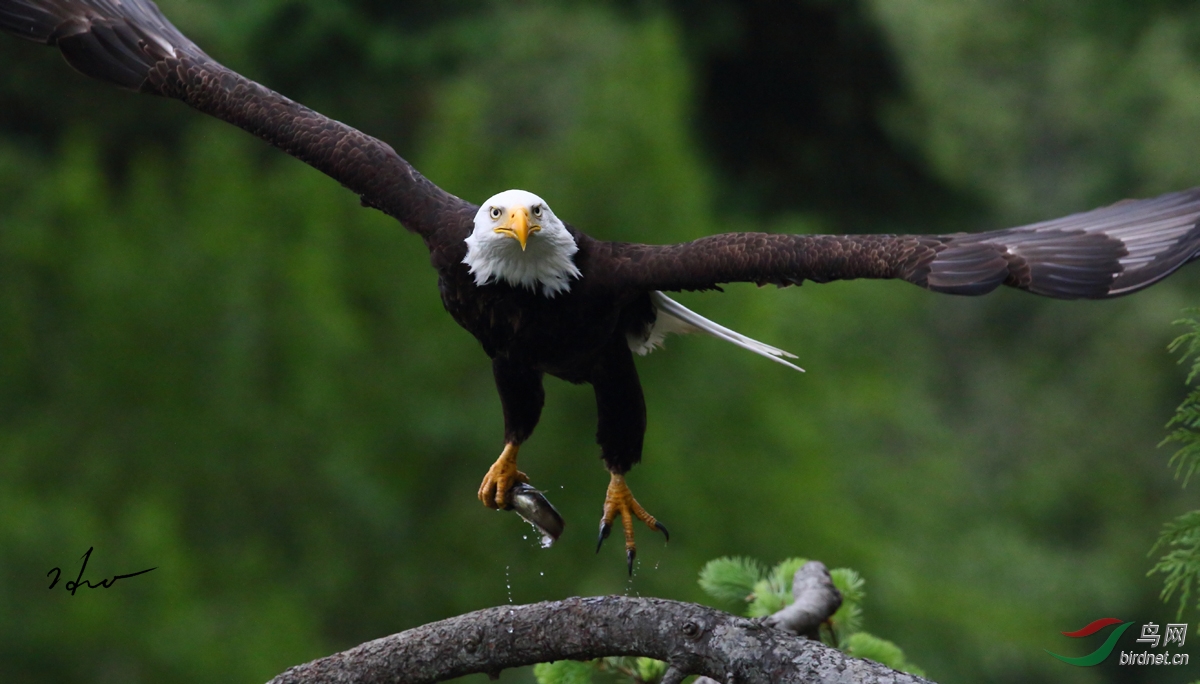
x,y
130,43
1106,252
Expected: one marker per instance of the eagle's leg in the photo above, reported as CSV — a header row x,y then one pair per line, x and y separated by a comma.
x,y
620,428
619,501
501,477
521,397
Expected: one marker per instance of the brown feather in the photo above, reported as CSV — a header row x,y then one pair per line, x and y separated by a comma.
x,y
1106,252
131,44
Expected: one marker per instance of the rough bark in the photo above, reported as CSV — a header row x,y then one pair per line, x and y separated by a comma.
x,y
694,639
814,600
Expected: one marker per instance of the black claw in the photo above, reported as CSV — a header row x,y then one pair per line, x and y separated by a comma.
x,y
630,554
605,528
663,528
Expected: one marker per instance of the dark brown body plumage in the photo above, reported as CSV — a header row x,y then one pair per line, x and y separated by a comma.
x,y
580,336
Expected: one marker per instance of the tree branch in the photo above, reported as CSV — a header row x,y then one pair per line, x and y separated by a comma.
x,y
814,600
694,639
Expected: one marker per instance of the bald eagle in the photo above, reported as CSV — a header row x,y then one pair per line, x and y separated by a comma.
x,y
544,298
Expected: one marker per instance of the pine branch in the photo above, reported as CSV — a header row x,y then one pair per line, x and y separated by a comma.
x,y
731,579
1181,564
805,598
848,619
1186,420
693,639
815,599
1181,537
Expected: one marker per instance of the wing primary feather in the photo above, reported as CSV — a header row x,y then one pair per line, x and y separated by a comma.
x,y
129,43
668,306
1112,251
1106,252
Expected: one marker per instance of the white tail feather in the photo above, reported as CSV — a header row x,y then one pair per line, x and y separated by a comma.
x,y
673,317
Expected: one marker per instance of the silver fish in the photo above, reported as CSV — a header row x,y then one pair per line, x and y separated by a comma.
x,y
536,509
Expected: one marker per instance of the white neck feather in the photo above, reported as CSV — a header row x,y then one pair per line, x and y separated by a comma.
x,y
547,261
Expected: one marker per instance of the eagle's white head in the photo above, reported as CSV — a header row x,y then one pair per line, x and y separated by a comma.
x,y
518,240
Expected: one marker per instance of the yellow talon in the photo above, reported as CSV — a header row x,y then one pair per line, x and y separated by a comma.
x,y
619,501
500,478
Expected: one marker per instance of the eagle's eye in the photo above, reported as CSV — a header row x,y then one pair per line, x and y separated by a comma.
x,y
495,212
537,210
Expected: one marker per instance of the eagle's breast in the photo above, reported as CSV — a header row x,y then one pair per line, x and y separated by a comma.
x,y
559,335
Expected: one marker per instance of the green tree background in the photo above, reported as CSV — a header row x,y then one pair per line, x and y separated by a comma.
x,y
214,362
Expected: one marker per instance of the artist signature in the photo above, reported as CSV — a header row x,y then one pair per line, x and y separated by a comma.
x,y
79,581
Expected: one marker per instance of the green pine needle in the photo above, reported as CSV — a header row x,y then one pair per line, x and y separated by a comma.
x,y
1191,340
850,583
651,670
774,590
864,645
782,574
745,579
631,669
1181,563
848,618
767,599
564,672
1181,537
731,579
1186,420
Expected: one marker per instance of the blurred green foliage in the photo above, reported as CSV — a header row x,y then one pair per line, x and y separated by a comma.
x,y
1186,421
214,362
1180,538
622,669
871,647
766,592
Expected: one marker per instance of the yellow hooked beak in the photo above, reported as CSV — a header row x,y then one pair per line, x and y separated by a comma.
x,y
518,226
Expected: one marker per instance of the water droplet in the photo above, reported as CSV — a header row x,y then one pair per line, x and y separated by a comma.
x,y
542,574
637,566
544,539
